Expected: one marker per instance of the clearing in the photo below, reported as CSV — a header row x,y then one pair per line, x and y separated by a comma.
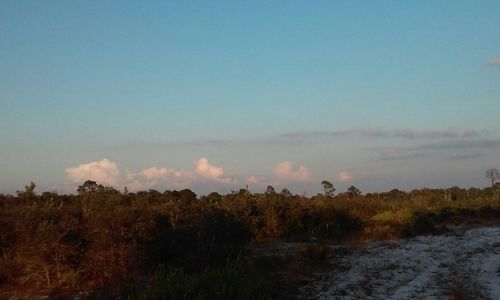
x,y
464,264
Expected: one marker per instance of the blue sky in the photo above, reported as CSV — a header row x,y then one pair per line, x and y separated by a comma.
x,y
377,94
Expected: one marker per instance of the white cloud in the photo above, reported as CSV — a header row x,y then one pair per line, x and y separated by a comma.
x,y
152,177
103,171
206,171
108,173
284,171
254,180
344,176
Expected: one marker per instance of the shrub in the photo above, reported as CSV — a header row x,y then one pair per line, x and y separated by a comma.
x,y
208,239
230,282
420,223
314,252
103,237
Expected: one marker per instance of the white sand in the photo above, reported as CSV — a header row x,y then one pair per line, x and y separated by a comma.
x,y
425,267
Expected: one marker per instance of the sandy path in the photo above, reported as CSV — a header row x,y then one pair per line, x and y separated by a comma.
x,y
426,267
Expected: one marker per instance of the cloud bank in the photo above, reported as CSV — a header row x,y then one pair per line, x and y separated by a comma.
x,y
108,173
458,149
406,133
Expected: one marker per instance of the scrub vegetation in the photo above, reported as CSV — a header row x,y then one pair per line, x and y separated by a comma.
x,y
103,243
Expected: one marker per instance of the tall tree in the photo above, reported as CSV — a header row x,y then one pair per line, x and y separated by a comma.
x,y
270,190
493,175
328,188
89,187
286,193
28,193
353,191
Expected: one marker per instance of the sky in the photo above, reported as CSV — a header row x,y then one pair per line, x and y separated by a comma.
x,y
218,95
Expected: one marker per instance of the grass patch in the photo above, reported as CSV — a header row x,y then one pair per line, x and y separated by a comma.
x,y
393,217
231,282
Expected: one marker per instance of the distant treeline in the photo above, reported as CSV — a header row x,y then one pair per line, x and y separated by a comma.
x,y
102,236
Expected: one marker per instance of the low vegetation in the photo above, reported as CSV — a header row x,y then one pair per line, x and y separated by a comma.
x,y
314,252
175,245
